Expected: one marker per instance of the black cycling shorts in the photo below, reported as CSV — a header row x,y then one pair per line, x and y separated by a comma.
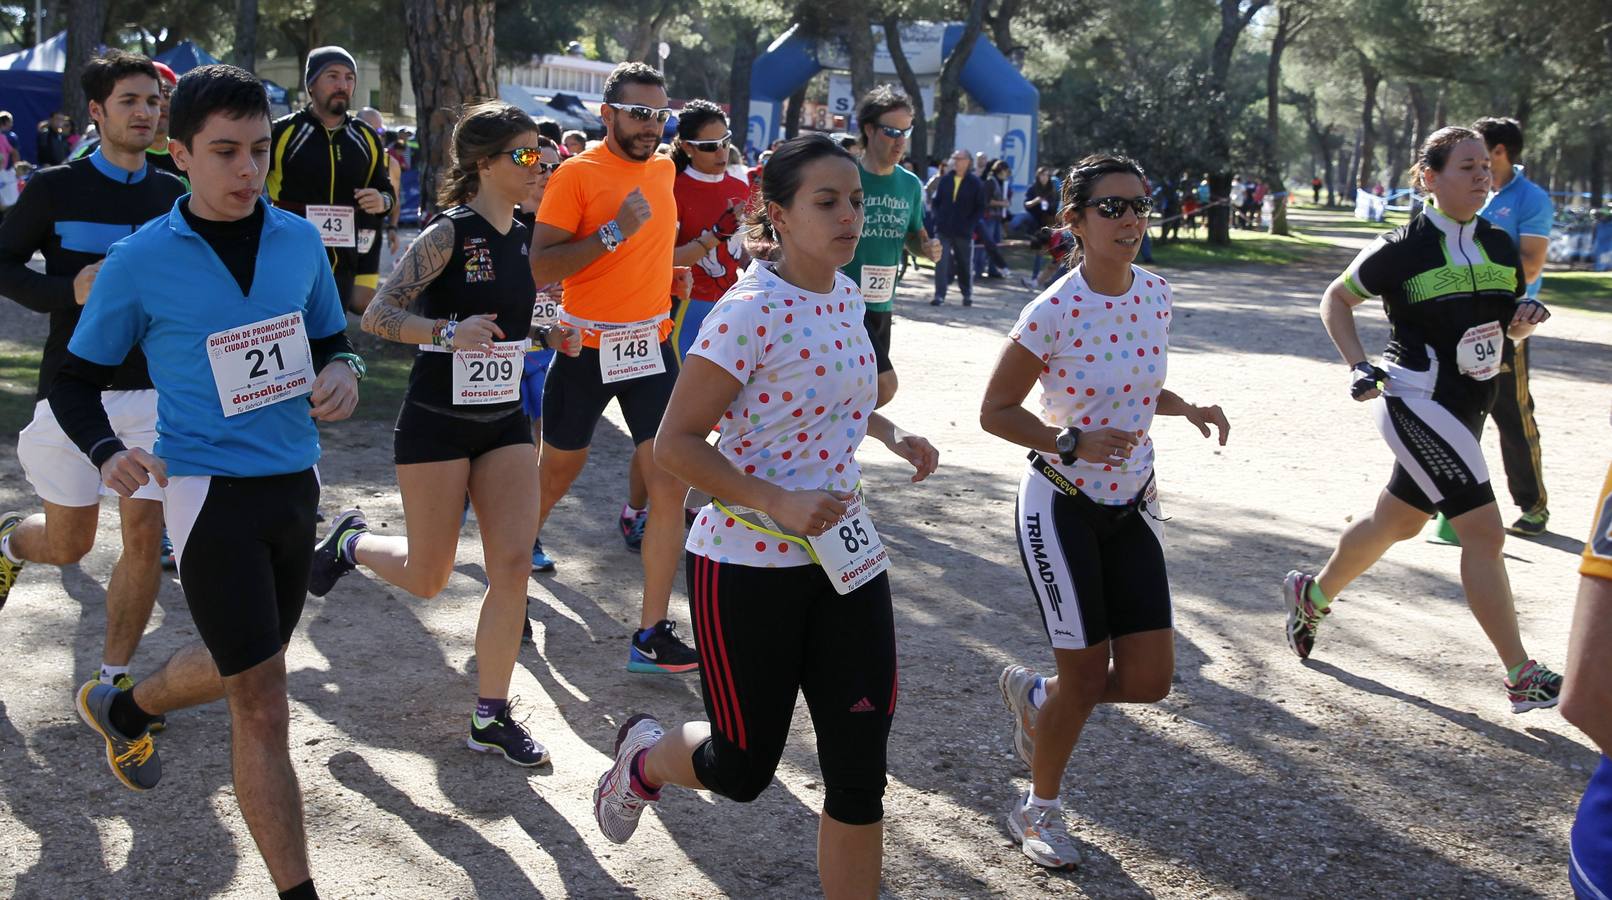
x,y
878,325
575,397
1438,463
1097,571
766,636
426,435
245,547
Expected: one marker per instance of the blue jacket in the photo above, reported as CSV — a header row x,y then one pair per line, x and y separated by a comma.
x,y
957,217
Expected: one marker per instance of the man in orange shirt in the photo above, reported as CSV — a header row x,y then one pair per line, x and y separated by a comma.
x,y
607,227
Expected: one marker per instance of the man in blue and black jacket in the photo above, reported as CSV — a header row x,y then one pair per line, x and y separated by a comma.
x,y
959,206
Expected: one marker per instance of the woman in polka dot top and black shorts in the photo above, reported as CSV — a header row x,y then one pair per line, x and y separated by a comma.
x,y
785,568
1089,527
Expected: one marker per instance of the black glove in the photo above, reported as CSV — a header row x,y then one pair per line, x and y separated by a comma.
x,y
1367,378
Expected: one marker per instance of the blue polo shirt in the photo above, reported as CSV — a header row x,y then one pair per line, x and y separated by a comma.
x,y
164,290
1521,209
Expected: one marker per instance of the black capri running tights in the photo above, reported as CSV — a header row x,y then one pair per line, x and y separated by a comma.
x,y
766,635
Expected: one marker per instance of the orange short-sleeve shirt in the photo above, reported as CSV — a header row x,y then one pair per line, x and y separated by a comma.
x,y
635,282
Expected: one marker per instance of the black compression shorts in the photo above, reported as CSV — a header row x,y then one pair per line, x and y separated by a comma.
x,y
575,397
1096,570
426,435
245,547
768,635
878,325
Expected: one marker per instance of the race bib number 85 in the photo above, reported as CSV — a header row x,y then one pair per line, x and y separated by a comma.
x,y
850,551
262,363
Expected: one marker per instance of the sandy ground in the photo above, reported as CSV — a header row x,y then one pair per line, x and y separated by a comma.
x,y
1389,766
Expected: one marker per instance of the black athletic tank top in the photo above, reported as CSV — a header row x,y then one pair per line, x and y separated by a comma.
x,y
488,273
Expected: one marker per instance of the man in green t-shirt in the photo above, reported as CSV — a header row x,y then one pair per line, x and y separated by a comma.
x,y
893,203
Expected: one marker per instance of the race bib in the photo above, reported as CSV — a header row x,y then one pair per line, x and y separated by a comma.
x,y
366,239
335,223
546,311
262,363
850,551
488,377
627,353
1478,353
879,283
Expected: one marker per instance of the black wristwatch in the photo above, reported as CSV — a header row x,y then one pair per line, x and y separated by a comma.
x,y
1067,440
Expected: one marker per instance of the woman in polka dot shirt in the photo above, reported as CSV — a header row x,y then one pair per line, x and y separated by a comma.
x,y
1089,527
784,367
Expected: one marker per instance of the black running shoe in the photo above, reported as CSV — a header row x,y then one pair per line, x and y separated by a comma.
x,y
509,737
664,652
328,562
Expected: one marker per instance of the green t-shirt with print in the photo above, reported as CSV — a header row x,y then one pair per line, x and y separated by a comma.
x,y
893,207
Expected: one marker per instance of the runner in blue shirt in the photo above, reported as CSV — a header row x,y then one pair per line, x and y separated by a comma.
x,y
1523,210
245,359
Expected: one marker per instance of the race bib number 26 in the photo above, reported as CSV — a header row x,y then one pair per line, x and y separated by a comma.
x,y
260,364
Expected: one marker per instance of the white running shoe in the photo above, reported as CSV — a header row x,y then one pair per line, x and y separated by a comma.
x,y
616,806
1016,683
1041,832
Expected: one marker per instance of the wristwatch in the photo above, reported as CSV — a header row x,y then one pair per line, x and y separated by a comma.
x,y
1066,442
610,235
354,362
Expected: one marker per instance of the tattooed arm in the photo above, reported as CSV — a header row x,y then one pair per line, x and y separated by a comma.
x,y
388,316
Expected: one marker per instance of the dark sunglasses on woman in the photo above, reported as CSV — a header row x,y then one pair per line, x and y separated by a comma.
x,y
1114,207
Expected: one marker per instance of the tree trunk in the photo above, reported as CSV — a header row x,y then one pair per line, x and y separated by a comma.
x,y
918,144
1002,26
646,35
1273,85
948,93
393,46
1598,138
1422,109
859,49
1370,78
451,63
1399,147
1330,172
797,105
86,28
244,53
747,33
1234,17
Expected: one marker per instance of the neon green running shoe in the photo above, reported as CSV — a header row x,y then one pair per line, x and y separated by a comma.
x,y
8,569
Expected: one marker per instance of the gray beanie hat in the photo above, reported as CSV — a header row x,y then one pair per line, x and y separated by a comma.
x,y
322,58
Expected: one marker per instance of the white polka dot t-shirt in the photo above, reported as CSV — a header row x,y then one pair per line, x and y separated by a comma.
x,y
1103,363
810,383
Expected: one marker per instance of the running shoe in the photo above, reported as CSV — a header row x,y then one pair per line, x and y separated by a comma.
x,y
1446,531
329,563
1536,688
1530,524
1302,617
1042,834
616,805
662,652
632,524
165,553
124,682
1016,684
509,737
134,761
541,562
8,570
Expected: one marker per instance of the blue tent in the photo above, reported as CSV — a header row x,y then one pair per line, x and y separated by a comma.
x,y
50,56
30,97
184,56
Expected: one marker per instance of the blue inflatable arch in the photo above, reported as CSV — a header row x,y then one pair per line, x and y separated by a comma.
x,y
988,77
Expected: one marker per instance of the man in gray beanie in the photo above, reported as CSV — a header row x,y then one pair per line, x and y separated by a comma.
x,y
329,166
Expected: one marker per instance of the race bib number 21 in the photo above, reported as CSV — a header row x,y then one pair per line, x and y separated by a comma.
x,y
260,364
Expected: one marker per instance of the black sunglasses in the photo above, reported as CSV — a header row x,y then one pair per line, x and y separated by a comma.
x,y
1114,207
712,146
644,113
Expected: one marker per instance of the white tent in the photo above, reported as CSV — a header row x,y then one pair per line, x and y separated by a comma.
x,y
51,56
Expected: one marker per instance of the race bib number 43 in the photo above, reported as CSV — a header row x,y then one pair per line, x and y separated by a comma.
x,y
262,363
1478,353
850,551
878,283
626,353
335,223
495,377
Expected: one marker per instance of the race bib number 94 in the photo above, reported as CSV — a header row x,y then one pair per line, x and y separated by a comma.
x,y
260,364
850,551
1478,353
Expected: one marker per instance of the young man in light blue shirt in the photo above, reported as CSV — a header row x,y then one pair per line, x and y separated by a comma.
x,y
1523,210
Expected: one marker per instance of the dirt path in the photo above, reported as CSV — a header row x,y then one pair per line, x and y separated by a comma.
x,y
1389,766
